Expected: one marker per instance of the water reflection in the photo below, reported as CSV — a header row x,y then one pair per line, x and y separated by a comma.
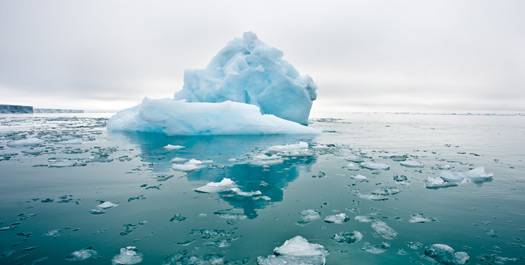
x,y
231,157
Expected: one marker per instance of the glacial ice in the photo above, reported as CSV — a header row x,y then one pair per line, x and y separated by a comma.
x,y
445,254
246,89
309,215
296,251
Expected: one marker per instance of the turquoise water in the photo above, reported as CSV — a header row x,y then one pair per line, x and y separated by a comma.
x,y
45,211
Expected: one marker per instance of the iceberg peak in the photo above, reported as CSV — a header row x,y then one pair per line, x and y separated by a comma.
x,y
247,88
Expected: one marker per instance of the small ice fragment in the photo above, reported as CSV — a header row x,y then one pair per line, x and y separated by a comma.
x,y
419,218
225,184
478,175
372,197
359,177
452,177
414,245
437,183
347,237
337,218
173,147
296,251
178,160
309,215
375,249
25,142
264,160
107,205
375,166
61,162
363,219
96,211
53,233
300,149
191,165
354,158
178,218
412,163
71,141
445,254
83,254
33,151
352,167
246,194
444,167
384,230
5,131
128,255
266,198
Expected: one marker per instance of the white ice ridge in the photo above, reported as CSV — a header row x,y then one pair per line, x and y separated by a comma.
x,y
246,89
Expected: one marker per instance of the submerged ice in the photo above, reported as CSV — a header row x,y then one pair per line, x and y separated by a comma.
x,y
247,88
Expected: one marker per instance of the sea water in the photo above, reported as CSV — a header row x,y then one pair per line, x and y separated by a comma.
x,y
72,193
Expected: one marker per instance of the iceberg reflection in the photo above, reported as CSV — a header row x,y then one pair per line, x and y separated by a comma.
x,y
265,163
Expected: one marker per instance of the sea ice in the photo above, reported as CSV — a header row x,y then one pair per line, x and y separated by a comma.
x,y
5,131
352,167
225,184
178,160
25,142
364,218
359,177
384,230
265,160
62,162
309,215
437,183
420,218
375,249
246,89
128,255
299,149
241,193
411,163
71,141
445,254
354,158
173,147
296,251
337,218
83,254
191,165
347,237
33,151
107,205
375,166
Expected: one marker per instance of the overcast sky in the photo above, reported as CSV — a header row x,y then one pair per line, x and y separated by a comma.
x,y
434,56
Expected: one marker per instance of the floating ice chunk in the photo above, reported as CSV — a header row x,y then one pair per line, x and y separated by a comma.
x,y
478,175
5,131
347,237
173,147
359,177
300,149
444,167
437,183
296,251
352,167
225,184
71,141
33,151
230,214
249,71
25,142
354,158
82,254
444,254
178,160
364,219
106,205
375,166
309,215
337,218
375,249
372,197
264,160
239,192
53,233
61,162
452,177
191,165
411,163
420,218
128,255
175,117
384,230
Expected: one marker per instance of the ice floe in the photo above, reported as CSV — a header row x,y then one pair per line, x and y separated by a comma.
x,y
337,218
191,165
84,254
296,251
375,166
449,178
106,205
384,230
347,237
309,215
420,218
359,177
225,184
128,255
445,254
173,147
412,163
25,142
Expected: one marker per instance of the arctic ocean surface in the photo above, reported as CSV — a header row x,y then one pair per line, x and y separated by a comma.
x,y
368,190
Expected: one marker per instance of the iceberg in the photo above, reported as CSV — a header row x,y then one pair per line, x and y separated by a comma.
x,y
247,88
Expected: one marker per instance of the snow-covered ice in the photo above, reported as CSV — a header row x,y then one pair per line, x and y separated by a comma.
x,y
128,255
337,218
225,184
246,89
296,251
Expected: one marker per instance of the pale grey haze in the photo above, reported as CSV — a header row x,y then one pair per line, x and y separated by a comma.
x,y
431,56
